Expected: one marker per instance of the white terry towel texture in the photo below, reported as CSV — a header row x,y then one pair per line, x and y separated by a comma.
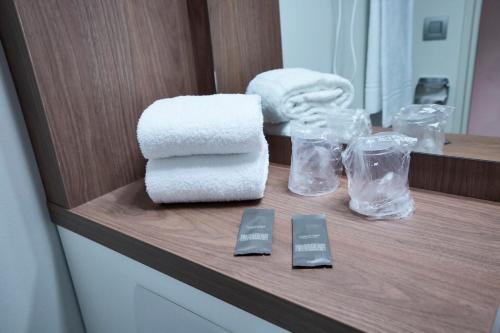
x,y
205,178
195,125
316,119
299,94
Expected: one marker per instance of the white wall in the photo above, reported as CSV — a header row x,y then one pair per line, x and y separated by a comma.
x,y
36,294
448,58
308,38
484,116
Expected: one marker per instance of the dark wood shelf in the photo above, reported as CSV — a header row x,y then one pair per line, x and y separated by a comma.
x,y
438,271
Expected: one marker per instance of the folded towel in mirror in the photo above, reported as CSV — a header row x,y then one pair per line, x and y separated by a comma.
x,y
297,93
318,119
193,125
204,178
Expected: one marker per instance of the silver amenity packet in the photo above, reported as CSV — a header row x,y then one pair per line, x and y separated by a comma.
x,y
311,247
256,232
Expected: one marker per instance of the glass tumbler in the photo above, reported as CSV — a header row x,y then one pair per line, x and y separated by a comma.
x,y
377,173
426,122
316,161
348,124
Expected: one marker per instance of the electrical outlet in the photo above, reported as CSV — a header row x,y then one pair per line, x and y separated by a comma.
x,y
435,28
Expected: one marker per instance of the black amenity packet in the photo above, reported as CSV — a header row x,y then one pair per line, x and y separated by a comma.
x,y
256,232
311,247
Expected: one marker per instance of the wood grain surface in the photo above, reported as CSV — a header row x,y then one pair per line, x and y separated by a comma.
x,y
202,46
85,70
467,146
473,147
246,40
31,101
452,173
437,271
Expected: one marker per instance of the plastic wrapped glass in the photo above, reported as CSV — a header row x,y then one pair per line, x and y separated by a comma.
x,y
377,174
426,122
348,124
316,161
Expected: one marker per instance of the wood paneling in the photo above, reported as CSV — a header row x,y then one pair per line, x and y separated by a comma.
x,y
85,70
280,149
246,41
464,176
202,46
437,271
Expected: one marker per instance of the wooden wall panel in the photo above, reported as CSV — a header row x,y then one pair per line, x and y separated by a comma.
x,y
84,71
31,102
246,40
202,46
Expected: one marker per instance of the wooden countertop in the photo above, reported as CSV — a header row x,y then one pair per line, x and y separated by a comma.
x,y
486,148
438,271
473,146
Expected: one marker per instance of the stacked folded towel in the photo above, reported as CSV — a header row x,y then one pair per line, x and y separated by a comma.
x,y
299,95
204,148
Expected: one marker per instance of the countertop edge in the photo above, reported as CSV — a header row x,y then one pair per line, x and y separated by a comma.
x,y
267,306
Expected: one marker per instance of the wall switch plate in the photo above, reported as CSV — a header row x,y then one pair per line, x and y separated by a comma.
x,y
435,28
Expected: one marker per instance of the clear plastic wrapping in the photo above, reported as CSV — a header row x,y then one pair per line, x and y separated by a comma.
x,y
377,173
426,122
348,124
316,161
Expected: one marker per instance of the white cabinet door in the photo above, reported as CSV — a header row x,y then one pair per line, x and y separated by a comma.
x,y
118,294
154,314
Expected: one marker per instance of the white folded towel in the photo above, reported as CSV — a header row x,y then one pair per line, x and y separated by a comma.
x,y
209,177
193,125
296,93
285,129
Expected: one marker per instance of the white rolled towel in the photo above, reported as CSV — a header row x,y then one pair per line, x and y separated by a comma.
x,y
299,94
208,178
194,125
319,120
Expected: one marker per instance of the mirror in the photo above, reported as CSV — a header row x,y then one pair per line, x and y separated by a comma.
x,y
397,53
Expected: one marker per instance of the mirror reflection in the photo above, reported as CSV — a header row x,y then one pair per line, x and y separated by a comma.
x,y
356,62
